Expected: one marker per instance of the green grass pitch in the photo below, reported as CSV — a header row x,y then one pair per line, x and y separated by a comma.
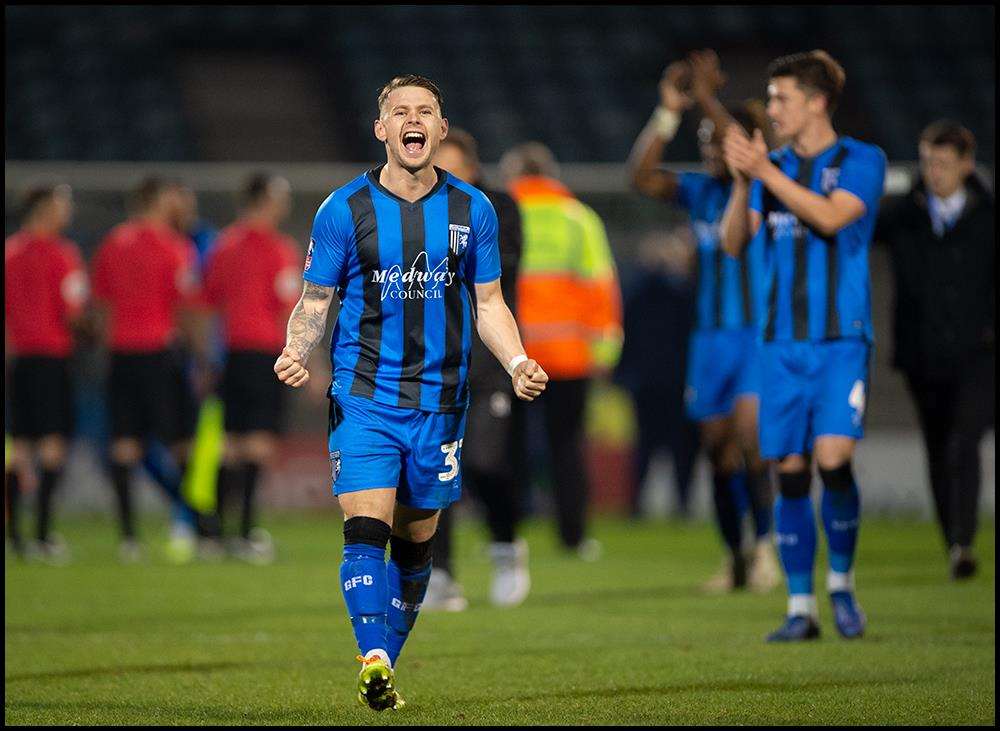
x,y
626,640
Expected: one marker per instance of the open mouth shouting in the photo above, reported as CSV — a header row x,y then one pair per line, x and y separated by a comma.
x,y
413,142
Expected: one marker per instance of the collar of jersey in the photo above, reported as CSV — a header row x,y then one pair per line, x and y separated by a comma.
x,y
787,150
373,176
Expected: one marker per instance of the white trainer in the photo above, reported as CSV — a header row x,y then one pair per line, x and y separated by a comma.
x,y
765,573
130,551
444,594
511,580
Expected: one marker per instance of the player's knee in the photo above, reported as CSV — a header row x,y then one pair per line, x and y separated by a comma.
x,y
838,479
793,485
411,556
52,452
368,531
724,454
258,447
126,452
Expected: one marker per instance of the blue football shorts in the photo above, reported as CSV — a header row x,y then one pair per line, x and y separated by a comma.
x,y
376,446
723,366
810,390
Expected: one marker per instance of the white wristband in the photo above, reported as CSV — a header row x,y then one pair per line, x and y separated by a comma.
x,y
515,362
665,122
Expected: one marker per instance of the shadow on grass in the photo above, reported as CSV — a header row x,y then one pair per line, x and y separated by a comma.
x,y
615,595
722,686
183,667
156,712
172,618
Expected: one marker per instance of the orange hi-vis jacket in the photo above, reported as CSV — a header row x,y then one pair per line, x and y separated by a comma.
x,y
568,298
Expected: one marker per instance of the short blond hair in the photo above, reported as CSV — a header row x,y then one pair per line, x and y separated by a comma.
x,y
399,82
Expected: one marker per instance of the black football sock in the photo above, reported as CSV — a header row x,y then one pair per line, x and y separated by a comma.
x,y
120,478
47,488
251,474
12,503
726,512
226,486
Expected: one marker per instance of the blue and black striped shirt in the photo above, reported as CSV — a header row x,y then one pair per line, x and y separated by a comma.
x,y
819,286
405,275
728,287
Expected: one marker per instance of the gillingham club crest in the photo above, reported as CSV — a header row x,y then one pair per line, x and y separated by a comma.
x,y
335,465
458,238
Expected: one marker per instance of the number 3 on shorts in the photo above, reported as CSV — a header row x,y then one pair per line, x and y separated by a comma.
x,y
451,460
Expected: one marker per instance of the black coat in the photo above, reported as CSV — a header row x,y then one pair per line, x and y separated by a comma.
x,y
486,373
945,286
658,317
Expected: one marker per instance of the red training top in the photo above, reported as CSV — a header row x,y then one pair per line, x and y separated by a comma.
x,y
143,272
45,286
254,278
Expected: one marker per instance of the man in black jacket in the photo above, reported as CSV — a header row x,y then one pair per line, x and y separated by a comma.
x,y
492,451
658,296
941,235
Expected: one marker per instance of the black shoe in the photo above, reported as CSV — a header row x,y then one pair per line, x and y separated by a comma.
x,y
963,563
795,629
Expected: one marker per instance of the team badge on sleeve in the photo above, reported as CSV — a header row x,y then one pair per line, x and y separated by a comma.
x,y
458,238
309,254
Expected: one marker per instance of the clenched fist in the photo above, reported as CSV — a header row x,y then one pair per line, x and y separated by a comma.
x,y
529,380
290,368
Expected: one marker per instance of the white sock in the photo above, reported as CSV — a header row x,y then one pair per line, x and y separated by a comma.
x,y
800,605
838,581
381,653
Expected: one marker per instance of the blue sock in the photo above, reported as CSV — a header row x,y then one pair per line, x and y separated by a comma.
x,y
841,511
163,468
363,580
795,526
408,572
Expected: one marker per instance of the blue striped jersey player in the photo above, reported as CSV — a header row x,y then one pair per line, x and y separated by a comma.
x,y
723,371
411,253
815,203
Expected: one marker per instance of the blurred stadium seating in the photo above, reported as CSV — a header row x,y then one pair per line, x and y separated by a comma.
x,y
108,82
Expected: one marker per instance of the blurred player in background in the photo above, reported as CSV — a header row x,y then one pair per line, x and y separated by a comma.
x,y
409,250
190,223
942,238
723,376
143,275
816,200
195,372
569,306
659,299
253,278
45,290
490,458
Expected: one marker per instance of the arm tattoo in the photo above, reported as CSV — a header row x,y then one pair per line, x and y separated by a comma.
x,y
308,320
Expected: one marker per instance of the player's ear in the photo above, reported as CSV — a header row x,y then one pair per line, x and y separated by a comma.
x,y
444,127
816,103
380,131
968,164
